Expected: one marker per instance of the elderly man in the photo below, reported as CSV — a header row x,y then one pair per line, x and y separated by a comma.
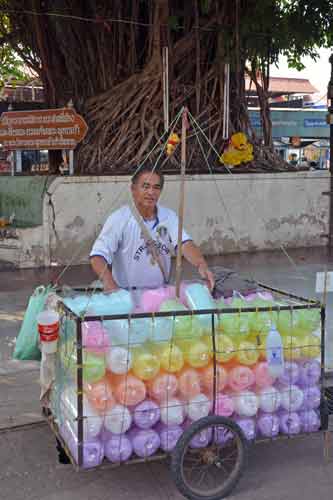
x,y
135,246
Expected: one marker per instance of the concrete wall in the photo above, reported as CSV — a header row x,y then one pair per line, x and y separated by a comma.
x,y
24,197
224,213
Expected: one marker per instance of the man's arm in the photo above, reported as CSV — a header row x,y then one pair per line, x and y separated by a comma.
x,y
194,256
100,267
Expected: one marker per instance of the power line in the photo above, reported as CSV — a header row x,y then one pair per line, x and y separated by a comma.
x,y
98,20
101,20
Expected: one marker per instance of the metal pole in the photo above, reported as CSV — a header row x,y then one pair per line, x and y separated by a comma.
x,y
165,80
226,96
71,162
19,161
12,163
181,203
79,374
330,110
11,155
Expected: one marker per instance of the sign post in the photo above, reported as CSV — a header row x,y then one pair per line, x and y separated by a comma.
x,y
12,163
18,161
43,129
71,162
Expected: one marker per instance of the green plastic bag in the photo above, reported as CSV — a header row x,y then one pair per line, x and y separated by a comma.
x,y
26,347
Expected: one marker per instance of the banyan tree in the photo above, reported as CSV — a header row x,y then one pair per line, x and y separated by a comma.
x,y
106,57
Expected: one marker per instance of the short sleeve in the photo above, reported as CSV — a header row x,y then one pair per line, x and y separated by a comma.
x,y
173,230
108,240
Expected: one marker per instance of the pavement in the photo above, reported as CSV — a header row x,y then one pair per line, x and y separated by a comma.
x,y
28,461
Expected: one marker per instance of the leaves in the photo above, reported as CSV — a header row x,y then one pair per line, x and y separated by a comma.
x,y
106,57
10,63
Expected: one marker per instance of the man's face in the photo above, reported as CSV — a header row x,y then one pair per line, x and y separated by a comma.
x,y
146,191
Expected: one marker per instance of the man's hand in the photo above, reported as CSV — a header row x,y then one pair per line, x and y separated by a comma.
x,y
100,266
207,275
109,286
194,256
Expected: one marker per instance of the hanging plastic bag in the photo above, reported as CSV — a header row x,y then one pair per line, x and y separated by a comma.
x,y
26,347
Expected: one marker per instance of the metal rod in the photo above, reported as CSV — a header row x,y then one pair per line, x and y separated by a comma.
x,y
18,161
323,407
79,371
165,81
195,312
181,203
330,111
325,287
71,162
214,364
261,285
322,340
225,132
12,163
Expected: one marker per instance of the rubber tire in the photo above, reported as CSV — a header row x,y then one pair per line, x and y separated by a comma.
x,y
185,438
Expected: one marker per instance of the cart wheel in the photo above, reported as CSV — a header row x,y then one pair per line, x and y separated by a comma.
x,y
212,471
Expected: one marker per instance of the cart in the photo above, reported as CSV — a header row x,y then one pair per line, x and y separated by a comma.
x,y
209,456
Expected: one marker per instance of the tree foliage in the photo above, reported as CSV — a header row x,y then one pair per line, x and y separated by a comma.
x,y
106,57
11,65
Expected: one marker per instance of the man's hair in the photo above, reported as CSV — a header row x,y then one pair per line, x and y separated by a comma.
x,y
145,170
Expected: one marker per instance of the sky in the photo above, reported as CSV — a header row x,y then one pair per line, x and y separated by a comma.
x,y
318,73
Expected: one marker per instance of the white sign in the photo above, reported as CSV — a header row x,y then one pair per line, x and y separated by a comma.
x,y
324,281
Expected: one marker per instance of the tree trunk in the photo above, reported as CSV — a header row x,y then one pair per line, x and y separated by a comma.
x,y
265,113
106,57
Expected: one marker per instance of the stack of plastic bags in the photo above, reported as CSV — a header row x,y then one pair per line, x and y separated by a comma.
x,y
145,380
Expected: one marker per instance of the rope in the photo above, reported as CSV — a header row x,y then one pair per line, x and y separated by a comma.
x,y
281,247
226,105
105,268
116,199
164,138
232,226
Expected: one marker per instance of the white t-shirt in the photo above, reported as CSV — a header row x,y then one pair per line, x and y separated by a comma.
x,y
122,245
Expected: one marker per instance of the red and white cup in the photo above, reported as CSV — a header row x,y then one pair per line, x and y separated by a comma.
x,y
48,328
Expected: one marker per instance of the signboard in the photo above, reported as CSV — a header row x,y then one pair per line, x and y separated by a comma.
x,y
43,129
294,123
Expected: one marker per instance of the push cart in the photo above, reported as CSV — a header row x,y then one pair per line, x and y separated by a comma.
x,y
222,394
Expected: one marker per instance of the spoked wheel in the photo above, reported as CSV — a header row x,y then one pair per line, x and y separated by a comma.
x,y
209,458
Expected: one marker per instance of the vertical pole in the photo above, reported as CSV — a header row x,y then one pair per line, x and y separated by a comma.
x,y
11,154
214,364
165,74
165,81
79,374
12,163
181,202
225,132
19,161
71,162
325,287
330,110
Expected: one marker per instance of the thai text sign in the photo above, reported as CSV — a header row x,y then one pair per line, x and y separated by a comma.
x,y
303,123
43,129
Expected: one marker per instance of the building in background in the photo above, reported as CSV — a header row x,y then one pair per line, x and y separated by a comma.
x,y
298,113
22,96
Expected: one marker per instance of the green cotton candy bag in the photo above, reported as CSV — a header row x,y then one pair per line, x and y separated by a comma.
x,y
26,347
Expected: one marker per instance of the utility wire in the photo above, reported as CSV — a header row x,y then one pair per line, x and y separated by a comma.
x,y
101,20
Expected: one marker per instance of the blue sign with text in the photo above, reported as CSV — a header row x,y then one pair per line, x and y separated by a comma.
x,y
294,123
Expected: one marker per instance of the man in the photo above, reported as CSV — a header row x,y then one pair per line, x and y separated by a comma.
x,y
124,257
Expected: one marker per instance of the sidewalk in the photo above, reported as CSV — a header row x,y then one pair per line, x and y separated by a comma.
x,y
19,389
